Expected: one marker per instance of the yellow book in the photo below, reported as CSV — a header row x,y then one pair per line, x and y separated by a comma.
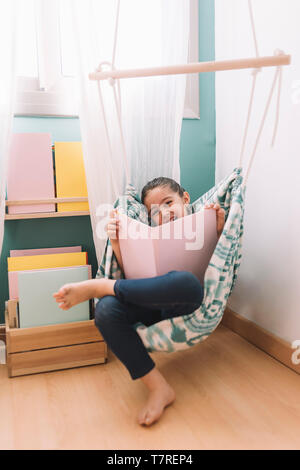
x,y
70,175
57,260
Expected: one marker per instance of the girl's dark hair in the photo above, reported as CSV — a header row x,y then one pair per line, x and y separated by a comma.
x,y
162,181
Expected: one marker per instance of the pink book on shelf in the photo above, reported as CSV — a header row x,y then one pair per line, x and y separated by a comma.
x,y
30,172
13,278
185,244
45,251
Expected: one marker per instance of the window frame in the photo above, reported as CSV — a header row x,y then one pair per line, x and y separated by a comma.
x,y
34,99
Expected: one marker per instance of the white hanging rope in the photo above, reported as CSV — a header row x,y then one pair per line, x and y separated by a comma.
x,y
248,117
116,35
254,74
277,106
117,101
277,73
117,97
253,27
115,186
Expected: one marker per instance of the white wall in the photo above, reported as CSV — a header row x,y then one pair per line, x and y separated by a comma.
x,y
268,288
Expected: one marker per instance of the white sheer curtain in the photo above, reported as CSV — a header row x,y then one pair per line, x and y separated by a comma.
x,y
150,33
8,40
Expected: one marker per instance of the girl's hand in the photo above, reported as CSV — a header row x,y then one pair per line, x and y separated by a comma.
x,y
112,227
220,213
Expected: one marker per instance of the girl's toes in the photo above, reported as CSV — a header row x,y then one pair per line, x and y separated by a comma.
x,y
61,294
64,305
147,420
142,417
58,297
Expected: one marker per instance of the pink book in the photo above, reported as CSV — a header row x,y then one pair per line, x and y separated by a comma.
x,y
30,172
13,278
185,244
45,251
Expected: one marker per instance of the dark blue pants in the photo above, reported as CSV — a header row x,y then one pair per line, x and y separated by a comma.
x,y
147,301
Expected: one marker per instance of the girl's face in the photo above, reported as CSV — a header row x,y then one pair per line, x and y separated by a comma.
x,y
164,205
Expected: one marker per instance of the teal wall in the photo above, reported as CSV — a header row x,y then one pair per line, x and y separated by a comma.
x,y
198,137
197,162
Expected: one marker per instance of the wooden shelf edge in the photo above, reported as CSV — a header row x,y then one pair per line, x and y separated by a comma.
x,y
55,200
45,215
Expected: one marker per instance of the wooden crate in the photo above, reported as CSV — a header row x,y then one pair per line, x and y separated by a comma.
x,y
52,347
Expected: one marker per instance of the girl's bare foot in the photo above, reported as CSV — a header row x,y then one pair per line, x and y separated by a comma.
x,y
161,395
77,292
157,401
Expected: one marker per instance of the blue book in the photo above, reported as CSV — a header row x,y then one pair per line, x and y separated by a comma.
x,y
38,307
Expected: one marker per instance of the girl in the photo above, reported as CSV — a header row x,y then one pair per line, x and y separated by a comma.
x,y
124,302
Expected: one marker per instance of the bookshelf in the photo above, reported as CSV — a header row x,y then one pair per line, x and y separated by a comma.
x,y
56,346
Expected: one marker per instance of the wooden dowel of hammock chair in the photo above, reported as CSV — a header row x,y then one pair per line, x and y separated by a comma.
x,y
197,67
46,201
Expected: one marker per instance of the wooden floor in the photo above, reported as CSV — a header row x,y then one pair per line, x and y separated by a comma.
x,y
230,395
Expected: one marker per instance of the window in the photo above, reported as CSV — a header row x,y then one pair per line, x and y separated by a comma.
x,y
42,62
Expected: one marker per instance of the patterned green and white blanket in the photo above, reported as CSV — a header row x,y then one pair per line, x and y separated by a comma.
x,y
183,332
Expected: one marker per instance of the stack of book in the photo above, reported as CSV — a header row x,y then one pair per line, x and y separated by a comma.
x,y
39,170
33,277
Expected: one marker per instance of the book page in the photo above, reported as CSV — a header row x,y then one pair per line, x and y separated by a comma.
x,y
137,249
186,244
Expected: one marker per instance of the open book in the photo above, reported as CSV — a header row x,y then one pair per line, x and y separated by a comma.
x,y
185,244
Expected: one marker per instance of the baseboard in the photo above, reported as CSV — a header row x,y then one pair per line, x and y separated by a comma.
x,y
261,338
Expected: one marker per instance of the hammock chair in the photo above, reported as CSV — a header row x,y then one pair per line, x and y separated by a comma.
x,y
180,333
